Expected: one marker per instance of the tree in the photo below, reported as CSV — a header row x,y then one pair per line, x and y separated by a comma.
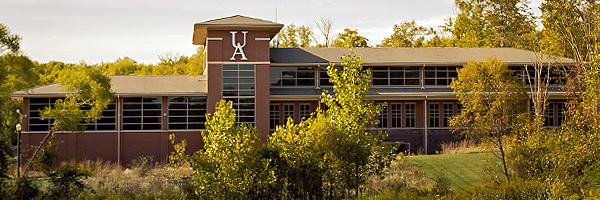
x,y
88,94
230,165
492,97
8,41
493,23
350,38
325,25
406,34
293,36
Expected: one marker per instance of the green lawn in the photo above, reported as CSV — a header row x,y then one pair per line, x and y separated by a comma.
x,y
461,170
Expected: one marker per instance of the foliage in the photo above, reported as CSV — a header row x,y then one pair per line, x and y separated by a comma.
x,y
24,188
325,26
493,23
231,165
87,87
293,36
178,157
8,41
516,189
350,38
406,34
66,182
491,97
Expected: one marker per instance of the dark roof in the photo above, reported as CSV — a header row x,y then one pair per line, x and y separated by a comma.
x,y
134,86
411,56
236,21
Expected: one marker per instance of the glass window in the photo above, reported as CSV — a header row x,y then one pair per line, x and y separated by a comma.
x,y
324,78
396,115
549,115
142,113
239,88
448,113
292,76
304,111
395,76
560,113
106,123
36,123
274,116
441,76
411,114
187,112
383,119
288,111
556,75
434,115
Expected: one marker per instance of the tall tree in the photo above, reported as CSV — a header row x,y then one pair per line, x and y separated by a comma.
x,y
293,36
8,41
406,34
494,23
491,97
325,26
350,38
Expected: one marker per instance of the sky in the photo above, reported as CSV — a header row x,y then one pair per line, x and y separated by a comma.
x,y
95,31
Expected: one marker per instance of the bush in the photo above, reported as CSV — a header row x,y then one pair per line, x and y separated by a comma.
x,y
515,189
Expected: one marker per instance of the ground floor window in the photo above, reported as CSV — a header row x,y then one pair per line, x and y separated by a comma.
x,y
142,113
187,112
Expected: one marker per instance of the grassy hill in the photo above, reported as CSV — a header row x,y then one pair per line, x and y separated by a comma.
x,y
461,170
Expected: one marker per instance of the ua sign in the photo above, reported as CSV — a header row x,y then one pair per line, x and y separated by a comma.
x,y
238,47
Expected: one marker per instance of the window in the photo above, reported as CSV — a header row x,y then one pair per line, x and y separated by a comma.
x,y
324,78
288,111
304,111
396,115
560,113
383,119
549,115
441,76
556,76
35,120
448,113
187,112
273,116
142,113
238,87
410,115
106,123
434,115
292,76
395,76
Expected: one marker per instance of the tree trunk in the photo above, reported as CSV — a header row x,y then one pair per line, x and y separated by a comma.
x,y
503,158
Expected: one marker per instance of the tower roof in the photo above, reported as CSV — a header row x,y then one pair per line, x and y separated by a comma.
x,y
236,21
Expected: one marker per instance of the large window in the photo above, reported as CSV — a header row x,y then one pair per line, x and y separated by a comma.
x,y
288,111
35,120
383,119
238,87
448,113
434,115
107,122
560,113
274,116
292,76
396,115
441,76
142,113
187,112
304,111
556,75
395,76
411,114
324,78
549,115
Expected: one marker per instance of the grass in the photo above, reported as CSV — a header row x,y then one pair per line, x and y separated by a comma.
x,y
460,170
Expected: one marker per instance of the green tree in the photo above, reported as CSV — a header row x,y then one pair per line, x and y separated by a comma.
x,y
293,36
350,38
492,97
230,165
121,66
406,34
493,23
8,41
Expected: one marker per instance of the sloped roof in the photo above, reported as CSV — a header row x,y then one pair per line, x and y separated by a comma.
x,y
134,86
236,21
412,56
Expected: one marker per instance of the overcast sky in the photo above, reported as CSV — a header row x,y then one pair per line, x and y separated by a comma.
x,y
104,30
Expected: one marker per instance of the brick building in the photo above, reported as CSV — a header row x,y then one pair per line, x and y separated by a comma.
x,y
267,85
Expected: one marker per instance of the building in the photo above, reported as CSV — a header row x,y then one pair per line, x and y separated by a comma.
x,y
268,85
